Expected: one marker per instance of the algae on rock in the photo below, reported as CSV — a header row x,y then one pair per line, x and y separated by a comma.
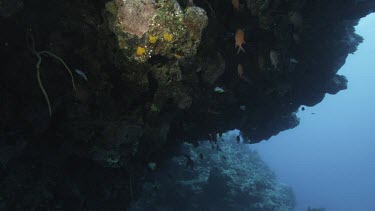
x,y
148,28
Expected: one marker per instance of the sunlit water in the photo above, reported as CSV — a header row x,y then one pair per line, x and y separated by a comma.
x,y
329,159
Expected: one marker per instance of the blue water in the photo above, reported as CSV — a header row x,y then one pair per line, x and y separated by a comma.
x,y
329,159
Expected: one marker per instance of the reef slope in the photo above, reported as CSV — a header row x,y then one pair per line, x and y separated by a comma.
x,y
92,91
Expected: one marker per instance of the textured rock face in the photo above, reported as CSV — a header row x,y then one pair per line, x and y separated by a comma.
x,y
162,28
150,87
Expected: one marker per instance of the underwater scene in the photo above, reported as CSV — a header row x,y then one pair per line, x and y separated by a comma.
x,y
187,105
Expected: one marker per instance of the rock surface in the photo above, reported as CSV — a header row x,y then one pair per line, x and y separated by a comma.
x,y
156,28
150,88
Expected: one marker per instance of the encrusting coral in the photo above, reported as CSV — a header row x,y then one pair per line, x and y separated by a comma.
x,y
179,30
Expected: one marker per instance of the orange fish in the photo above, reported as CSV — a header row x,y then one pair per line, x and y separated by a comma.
x,y
236,4
240,70
240,40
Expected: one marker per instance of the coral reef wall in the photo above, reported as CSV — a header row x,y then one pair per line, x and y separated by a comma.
x,y
222,176
147,75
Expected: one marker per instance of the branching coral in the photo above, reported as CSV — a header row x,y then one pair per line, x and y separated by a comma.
x,y
31,45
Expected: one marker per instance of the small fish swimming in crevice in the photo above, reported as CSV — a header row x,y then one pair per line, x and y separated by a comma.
x,y
151,166
240,40
293,60
240,70
219,89
81,73
274,57
296,19
236,5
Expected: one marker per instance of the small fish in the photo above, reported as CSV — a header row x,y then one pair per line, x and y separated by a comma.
x,y
239,38
81,73
238,139
201,156
223,157
219,89
155,187
151,166
296,19
240,70
274,57
303,108
243,107
292,60
236,4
